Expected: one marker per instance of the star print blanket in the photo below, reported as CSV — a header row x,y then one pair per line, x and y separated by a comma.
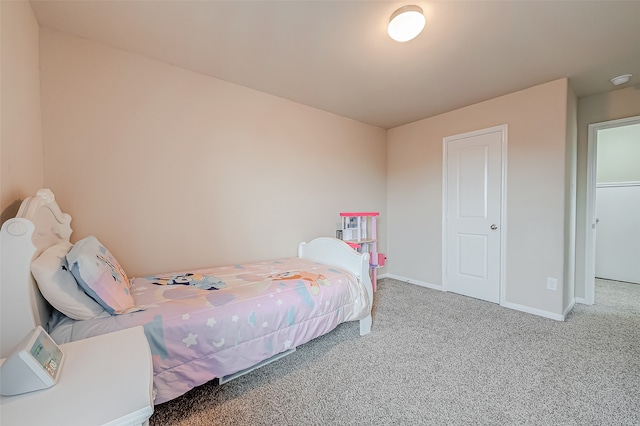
x,y
253,313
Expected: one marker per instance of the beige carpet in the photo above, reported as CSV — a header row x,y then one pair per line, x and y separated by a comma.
x,y
437,358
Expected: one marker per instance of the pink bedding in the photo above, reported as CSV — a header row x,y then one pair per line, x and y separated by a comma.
x,y
250,313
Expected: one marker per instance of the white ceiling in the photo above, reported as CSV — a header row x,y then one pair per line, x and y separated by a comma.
x,y
337,56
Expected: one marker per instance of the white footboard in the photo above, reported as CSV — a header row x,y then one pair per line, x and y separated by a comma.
x,y
332,251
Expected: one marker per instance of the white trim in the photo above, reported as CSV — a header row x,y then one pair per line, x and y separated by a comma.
x,y
444,215
534,311
504,130
590,204
414,282
569,308
503,218
617,184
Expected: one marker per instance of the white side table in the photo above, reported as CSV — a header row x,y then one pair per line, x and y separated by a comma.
x,y
105,380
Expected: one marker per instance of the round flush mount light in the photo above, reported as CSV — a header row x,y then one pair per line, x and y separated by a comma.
x,y
406,23
621,79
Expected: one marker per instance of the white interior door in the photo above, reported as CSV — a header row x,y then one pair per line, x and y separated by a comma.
x,y
618,232
473,213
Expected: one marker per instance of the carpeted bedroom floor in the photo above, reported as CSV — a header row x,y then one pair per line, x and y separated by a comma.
x,y
436,358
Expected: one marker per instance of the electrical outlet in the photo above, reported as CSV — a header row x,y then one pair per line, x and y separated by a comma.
x,y
552,283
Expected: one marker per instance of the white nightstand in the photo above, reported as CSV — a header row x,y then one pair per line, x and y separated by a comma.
x,y
105,380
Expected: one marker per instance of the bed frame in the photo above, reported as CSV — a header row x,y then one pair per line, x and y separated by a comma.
x,y
41,224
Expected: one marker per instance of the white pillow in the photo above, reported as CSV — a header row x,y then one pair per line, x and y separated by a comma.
x,y
59,287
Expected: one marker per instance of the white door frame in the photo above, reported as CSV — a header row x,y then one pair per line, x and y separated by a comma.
x,y
590,221
503,129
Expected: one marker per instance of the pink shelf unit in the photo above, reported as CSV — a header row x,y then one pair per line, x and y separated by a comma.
x,y
359,231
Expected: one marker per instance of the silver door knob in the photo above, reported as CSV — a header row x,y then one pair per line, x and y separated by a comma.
x,y
494,227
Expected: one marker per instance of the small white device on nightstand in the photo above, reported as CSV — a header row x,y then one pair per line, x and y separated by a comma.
x,y
35,364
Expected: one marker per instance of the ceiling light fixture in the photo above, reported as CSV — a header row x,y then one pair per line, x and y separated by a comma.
x,y
621,79
406,23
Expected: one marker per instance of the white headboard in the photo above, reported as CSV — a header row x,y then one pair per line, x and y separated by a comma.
x,y
38,225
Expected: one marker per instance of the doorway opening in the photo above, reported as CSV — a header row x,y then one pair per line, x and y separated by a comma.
x,y
596,130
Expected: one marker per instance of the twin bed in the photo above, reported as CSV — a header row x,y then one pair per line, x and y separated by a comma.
x,y
201,325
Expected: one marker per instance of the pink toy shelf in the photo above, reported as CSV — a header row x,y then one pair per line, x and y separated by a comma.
x,y
358,229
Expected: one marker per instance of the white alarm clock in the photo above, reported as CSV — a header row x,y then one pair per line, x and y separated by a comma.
x,y
35,364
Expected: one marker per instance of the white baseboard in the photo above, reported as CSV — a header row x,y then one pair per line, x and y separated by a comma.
x,y
412,281
534,311
514,306
569,308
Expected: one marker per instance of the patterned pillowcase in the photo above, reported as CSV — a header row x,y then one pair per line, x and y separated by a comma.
x,y
100,275
59,286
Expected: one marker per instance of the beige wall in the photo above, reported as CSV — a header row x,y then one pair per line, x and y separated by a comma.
x,y
614,105
536,173
20,130
171,169
166,137
619,154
